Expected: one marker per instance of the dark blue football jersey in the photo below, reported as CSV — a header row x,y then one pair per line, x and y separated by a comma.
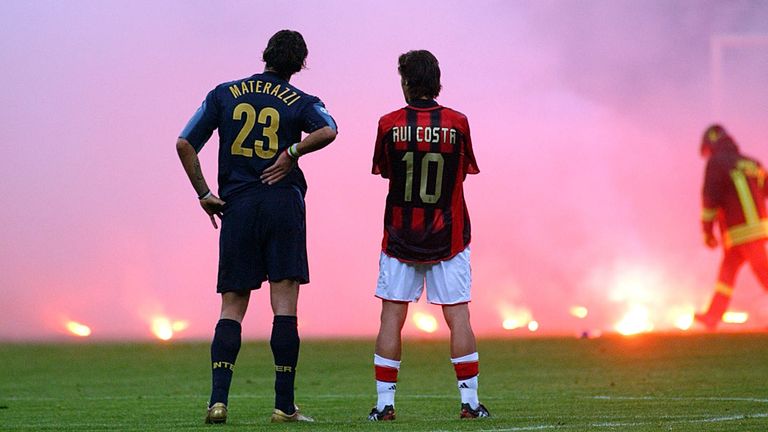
x,y
257,117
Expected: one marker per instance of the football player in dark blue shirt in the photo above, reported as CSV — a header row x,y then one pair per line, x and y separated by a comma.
x,y
260,120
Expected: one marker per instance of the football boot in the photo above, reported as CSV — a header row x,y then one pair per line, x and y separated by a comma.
x,y
278,416
468,413
387,414
217,413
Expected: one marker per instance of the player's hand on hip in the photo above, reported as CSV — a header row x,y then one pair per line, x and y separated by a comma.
x,y
213,205
278,170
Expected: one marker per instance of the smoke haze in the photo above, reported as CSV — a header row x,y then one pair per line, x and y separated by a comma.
x,y
586,118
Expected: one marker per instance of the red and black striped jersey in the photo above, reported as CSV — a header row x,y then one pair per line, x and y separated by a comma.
x,y
425,151
734,193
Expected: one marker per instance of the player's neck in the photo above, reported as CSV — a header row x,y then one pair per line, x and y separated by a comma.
x,y
269,69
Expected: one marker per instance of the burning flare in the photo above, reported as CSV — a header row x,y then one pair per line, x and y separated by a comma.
x,y
533,326
684,322
579,312
516,318
178,326
635,321
78,329
425,322
163,328
735,317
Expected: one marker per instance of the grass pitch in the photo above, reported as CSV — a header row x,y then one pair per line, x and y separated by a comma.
x,y
645,383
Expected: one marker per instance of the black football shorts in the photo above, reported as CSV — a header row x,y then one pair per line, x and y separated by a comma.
x,y
263,237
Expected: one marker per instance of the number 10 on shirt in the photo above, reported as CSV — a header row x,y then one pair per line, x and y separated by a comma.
x,y
428,159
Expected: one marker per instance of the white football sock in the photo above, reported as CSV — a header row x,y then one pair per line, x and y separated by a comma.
x,y
468,387
468,391
386,390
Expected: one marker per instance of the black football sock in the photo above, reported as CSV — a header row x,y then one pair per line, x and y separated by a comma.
x,y
224,349
285,349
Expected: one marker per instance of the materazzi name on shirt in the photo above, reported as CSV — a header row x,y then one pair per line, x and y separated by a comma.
x,y
429,134
285,94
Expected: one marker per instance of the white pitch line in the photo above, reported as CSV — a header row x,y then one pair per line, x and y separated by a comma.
x,y
613,425
513,429
687,421
729,418
522,428
675,398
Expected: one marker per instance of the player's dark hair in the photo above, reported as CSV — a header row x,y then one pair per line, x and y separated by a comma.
x,y
286,53
421,72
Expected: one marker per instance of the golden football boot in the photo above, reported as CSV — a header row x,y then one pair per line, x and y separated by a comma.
x,y
217,414
279,416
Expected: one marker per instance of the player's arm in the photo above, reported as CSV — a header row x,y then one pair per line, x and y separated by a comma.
x,y
286,161
315,141
709,207
380,157
190,142
191,163
323,131
470,164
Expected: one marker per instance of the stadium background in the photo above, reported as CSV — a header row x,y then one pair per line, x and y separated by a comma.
x,y
585,116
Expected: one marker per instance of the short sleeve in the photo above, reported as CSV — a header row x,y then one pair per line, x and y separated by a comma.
x,y
380,158
470,164
202,124
315,116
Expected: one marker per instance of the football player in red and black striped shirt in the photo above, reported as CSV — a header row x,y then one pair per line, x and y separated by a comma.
x,y
425,151
735,190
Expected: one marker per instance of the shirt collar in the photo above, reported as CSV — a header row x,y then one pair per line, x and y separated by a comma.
x,y
423,103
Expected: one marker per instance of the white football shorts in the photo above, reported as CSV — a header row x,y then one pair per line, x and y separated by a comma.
x,y
448,282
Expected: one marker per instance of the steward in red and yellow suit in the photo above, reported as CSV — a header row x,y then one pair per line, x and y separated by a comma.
x,y
734,194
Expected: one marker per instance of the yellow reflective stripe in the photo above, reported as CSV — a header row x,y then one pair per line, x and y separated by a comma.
x,y
745,197
708,214
745,233
723,289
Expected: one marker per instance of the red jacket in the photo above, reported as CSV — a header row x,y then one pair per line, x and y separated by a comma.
x,y
735,189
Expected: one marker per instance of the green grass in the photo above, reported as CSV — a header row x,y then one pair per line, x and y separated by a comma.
x,y
647,383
